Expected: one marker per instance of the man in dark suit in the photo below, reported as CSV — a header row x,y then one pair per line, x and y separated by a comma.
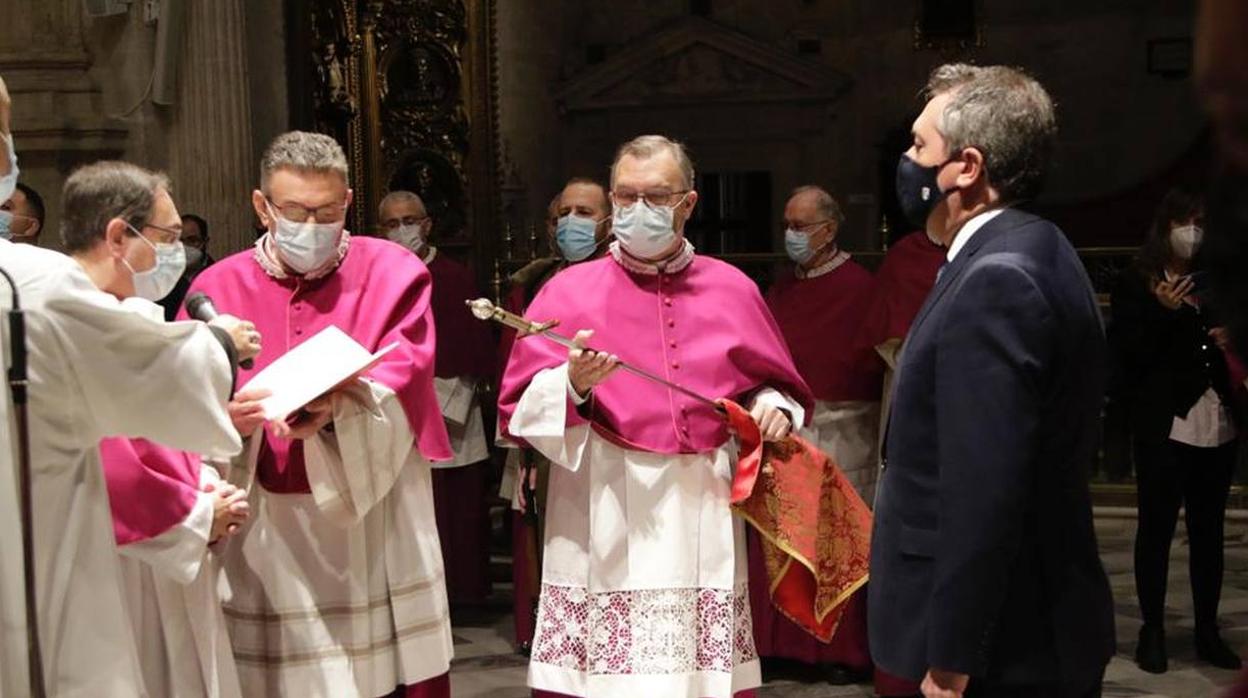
x,y
985,577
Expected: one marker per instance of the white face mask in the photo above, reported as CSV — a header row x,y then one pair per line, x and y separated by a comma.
x,y
156,283
410,236
305,247
194,255
1185,240
645,231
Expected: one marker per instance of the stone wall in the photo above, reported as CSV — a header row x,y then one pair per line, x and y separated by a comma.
x,y
1120,124
82,91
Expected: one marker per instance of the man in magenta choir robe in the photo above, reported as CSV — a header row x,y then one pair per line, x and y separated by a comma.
x,y
579,227
819,305
644,589
168,506
901,285
337,579
465,363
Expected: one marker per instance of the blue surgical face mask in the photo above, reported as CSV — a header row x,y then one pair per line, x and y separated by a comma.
x,y
577,237
156,283
6,225
305,247
797,246
645,231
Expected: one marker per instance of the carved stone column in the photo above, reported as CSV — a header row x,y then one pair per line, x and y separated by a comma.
x,y
210,147
59,118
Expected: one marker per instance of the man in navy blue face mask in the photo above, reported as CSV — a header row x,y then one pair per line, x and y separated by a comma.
x,y
985,574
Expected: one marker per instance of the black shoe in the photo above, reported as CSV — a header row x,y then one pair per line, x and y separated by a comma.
x,y
1212,649
838,675
1150,652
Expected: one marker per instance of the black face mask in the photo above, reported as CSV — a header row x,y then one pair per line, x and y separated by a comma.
x,y
917,191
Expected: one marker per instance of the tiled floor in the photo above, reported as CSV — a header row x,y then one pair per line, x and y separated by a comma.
x,y
487,667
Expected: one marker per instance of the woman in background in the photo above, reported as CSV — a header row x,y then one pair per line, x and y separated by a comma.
x,y
1172,372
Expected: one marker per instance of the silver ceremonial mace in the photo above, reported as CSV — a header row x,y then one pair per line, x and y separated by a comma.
x,y
483,309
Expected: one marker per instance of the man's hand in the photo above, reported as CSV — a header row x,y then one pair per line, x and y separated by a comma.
x,y
771,421
311,419
1221,337
246,412
243,332
229,510
588,368
1171,293
944,684
529,474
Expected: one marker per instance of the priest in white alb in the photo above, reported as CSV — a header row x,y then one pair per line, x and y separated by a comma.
x,y
644,584
100,366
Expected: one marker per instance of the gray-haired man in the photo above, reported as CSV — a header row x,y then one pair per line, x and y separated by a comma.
x,y
102,363
338,579
985,577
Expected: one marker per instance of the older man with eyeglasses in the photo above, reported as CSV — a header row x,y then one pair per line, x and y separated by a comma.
x,y
338,580
644,588
465,363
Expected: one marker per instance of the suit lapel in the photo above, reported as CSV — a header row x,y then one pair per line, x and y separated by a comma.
x,y
950,272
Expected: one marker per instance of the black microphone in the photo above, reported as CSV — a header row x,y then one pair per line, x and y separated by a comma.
x,y
200,307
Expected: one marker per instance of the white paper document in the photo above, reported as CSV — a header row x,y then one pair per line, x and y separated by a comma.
x,y
311,370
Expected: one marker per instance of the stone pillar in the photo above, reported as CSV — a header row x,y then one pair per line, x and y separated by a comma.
x,y
59,117
211,159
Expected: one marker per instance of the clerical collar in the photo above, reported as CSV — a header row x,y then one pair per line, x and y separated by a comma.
x,y
837,260
266,257
673,265
430,253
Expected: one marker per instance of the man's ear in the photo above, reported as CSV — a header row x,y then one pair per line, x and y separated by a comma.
x,y
115,234
972,168
262,210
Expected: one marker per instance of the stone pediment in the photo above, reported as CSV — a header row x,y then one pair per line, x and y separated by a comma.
x,y
696,62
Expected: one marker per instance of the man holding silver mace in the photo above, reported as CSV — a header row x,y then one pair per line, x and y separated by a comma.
x,y
644,577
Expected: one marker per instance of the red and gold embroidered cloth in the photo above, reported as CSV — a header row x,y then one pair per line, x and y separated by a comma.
x,y
816,530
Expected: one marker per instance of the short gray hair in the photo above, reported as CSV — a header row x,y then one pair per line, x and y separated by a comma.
x,y
827,206
645,147
401,196
304,152
1004,113
97,193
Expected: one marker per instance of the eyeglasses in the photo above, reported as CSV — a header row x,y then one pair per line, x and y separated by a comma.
x,y
808,227
394,223
171,235
652,198
298,213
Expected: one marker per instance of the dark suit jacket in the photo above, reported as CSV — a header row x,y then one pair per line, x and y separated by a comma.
x,y
1164,359
983,557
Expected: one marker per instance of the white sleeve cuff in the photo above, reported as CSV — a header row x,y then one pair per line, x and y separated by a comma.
x,y
576,398
777,399
541,419
178,552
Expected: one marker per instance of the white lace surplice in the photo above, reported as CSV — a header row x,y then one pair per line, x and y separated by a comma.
x,y
644,578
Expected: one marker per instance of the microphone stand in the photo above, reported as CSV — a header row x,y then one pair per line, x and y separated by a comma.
x,y
17,385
